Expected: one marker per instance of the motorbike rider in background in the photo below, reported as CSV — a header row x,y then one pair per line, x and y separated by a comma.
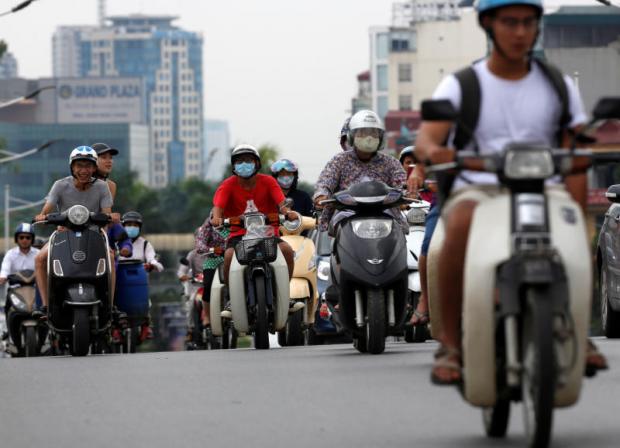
x,y
344,135
20,257
81,188
143,251
244,188
529,110
365,162
286,173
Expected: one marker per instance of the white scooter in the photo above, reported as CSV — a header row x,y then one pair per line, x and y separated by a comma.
x,y
258,280
415,216
527,282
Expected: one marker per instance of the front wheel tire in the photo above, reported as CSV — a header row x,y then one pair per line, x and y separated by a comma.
x,y
610,319
376,321
81,331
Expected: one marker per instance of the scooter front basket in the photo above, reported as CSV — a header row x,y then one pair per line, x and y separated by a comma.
x,y
258,249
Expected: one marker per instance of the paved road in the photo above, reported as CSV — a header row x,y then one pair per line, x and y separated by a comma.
x,y
292,397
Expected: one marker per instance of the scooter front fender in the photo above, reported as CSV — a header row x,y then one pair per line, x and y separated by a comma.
x,y
216,306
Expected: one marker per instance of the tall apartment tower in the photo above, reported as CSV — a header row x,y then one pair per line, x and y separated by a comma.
x,y
170,62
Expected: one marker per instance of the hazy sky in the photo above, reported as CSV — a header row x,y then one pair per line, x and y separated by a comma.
x,y
279,71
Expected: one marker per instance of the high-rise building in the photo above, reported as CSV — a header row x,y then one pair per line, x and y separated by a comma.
x,y
216,149
8,66
170,62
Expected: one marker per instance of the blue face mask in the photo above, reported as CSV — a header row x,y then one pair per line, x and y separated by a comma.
x,y
286,181
245,169
132,231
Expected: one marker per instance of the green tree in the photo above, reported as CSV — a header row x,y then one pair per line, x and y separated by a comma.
x,y
3,48
268,154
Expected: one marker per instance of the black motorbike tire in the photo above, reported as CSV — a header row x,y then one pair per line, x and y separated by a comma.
x,y
539,368
496,418
80,343
360,341
376,321
261,324
420,333
610,319
31,343
282,338
313,338
229,337
294,328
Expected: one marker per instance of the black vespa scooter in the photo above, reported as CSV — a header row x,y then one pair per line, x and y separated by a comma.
x,y
79,282
369,264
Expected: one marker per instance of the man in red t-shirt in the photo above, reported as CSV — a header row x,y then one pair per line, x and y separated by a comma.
x,y
248,188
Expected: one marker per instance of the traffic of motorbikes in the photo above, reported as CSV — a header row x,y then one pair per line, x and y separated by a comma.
x,y
526,308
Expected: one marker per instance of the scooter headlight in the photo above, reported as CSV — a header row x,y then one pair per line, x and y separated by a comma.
x,y
322,271
371,229
416,216
18,302
526,162
78,215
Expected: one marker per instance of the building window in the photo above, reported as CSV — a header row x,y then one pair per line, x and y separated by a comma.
x,y
402,41
404,72
382,77
382,42
405,102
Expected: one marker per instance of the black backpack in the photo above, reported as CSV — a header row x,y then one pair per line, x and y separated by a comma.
x,y
470,112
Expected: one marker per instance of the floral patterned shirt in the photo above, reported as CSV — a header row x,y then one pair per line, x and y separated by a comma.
x,y
346,169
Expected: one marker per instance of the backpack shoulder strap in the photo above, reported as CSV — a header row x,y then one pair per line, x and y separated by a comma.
x,y
555,77
144,249
470,106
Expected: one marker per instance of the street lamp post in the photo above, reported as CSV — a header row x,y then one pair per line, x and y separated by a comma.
x,y
7,211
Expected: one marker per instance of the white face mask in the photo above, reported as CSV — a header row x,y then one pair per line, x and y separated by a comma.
x,y
366,144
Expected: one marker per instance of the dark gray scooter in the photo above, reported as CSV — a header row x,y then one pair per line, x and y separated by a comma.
x,y
369,264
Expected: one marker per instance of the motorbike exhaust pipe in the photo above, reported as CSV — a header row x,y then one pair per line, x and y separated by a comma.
x,y
359,309
513,368
391,311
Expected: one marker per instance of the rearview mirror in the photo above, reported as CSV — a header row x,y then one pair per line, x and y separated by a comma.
x,y
607,108
438,110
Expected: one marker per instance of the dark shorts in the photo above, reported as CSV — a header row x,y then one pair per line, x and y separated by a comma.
x,y
230,244
429,228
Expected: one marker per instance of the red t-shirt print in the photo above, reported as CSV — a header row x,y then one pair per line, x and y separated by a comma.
x,y
233,199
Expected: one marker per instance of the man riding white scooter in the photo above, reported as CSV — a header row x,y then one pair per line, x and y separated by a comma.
x,y
528,110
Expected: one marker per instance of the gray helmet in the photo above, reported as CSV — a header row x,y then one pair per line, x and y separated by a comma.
x,y
102,148
132,217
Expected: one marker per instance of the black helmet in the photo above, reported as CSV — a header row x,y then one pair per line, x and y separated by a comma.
x,y
132,217
408,151
102,148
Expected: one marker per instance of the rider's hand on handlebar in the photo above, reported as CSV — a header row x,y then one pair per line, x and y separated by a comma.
x,y
217,222
317,202
148,267
291,215
415,181
116,218
40,218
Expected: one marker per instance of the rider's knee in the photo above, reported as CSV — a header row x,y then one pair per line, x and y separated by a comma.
x,y
459,217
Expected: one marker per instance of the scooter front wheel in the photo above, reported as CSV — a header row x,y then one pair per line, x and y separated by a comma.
x,y
30,344
261,326
539,368
376,321
81,331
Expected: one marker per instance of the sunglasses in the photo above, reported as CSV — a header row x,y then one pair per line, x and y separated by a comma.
x,y
24,237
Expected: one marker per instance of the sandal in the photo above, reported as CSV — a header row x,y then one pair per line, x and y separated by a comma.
x,y
423,318
447,358
595,360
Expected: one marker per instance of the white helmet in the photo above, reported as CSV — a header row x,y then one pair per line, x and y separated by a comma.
x,y
366,119
83,153
244,148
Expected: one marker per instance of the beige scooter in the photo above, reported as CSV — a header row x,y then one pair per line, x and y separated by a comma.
x,y
527,285
303,289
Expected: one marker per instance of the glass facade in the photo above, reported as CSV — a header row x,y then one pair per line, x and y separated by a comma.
x,y
383,46
382,77
31,177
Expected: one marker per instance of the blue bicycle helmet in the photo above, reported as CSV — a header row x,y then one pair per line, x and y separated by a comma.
x,y
22,228
484,6
283,164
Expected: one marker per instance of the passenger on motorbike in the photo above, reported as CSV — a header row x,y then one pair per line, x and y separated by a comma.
x,y
81,188
208,237
344,134
365,162
416,175
517,103
286,173
189,268
20,257
248,186
142,250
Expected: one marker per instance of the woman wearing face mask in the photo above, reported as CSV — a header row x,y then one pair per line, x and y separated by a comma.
x,y
286,174
365,162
